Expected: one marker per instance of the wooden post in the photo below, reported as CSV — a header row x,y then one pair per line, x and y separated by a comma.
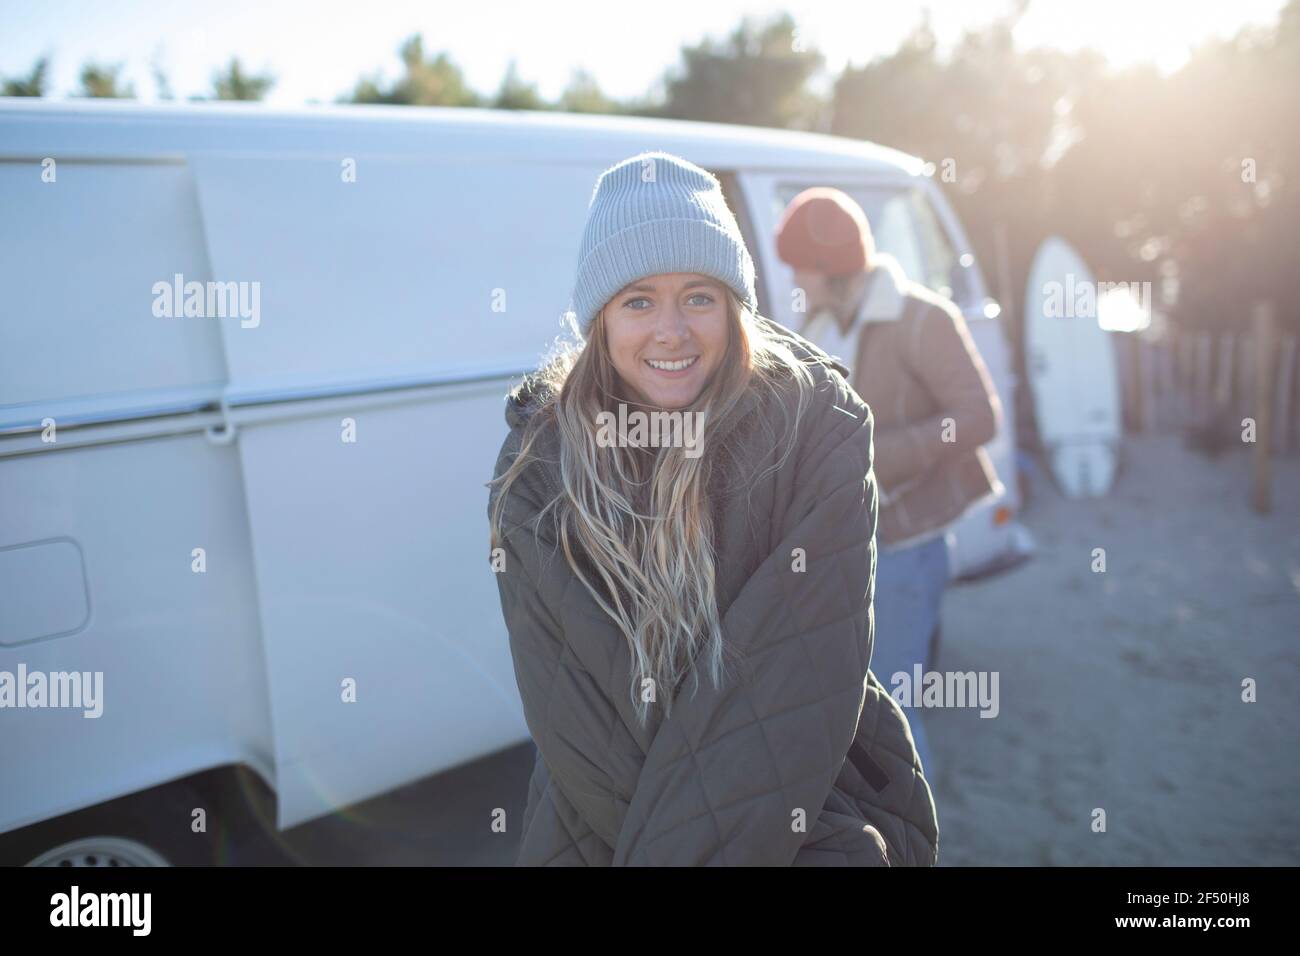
x,y
1126,364
1285,384
1223,374
1168,378
1138,381
1262,322
1204,382
1245,389
1187,368
1147,377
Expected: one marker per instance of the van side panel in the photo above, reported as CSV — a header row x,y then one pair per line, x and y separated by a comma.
x,y
419,267
100,536
179,649
388,659
79,258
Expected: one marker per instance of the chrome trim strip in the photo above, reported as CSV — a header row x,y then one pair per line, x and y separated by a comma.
x,y
256,398
112,416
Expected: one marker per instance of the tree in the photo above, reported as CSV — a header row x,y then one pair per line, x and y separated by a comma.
x,y
426,82
515,94
232,83
583,95
31,85
1231,179
103,81
987,116
756,77
1194,175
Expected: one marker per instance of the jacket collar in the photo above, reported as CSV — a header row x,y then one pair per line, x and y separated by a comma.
x,y
522,401
804,349
883,298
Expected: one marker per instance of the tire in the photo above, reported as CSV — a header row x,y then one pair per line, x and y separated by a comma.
x,y
149,828
100,851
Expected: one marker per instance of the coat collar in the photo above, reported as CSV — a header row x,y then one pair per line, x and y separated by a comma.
x,y
883,298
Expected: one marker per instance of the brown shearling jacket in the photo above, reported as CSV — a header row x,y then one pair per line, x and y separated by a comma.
x,y
934,403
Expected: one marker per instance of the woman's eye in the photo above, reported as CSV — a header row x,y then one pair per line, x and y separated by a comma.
x,y
708,299
639,298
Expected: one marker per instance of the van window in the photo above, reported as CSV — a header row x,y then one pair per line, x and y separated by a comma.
x,y
943,273
904,225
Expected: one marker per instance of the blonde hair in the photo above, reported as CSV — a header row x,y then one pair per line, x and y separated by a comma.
x,y
640,517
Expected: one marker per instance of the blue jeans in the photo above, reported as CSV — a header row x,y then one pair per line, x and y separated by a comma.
x,y
909,590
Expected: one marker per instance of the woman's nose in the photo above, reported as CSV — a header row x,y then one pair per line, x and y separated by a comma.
x,y
671,326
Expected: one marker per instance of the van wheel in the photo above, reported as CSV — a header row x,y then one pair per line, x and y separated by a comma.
x,y
101,851
149,828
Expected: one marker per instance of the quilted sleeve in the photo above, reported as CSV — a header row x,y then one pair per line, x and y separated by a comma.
x,y
567,712
742,775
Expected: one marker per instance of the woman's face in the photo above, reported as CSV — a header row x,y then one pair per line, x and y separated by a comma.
x,y
666,335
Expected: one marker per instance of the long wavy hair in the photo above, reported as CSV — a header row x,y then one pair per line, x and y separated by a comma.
x,y
635,523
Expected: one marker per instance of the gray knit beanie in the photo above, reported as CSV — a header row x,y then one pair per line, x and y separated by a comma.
x,y
655,213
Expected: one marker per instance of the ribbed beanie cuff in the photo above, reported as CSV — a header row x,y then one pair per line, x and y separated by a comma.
x,y
657,213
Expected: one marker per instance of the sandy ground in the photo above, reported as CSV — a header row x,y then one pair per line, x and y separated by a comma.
x,y
1123,690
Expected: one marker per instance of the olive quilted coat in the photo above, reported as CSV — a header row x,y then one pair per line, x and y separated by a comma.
x,y
803,759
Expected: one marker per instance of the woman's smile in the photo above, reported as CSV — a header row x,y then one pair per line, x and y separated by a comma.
x,y
673,368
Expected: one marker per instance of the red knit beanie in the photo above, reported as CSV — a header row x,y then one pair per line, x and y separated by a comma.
x,y
825,230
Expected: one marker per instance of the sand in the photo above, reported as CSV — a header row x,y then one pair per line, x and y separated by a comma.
x,y
1122,690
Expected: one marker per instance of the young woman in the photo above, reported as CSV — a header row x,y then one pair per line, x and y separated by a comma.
x,y
691,626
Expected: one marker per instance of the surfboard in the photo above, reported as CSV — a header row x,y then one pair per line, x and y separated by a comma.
x,y
1070,360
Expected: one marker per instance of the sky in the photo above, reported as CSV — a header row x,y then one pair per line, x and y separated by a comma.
x,y
318,50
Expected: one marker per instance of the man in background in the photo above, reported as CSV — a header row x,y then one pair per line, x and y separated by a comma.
x,y
915,364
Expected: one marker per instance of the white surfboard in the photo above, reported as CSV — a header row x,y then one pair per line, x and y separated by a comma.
x,y
1070,359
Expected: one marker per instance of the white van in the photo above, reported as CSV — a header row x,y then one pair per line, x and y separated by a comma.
x,y
252,368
